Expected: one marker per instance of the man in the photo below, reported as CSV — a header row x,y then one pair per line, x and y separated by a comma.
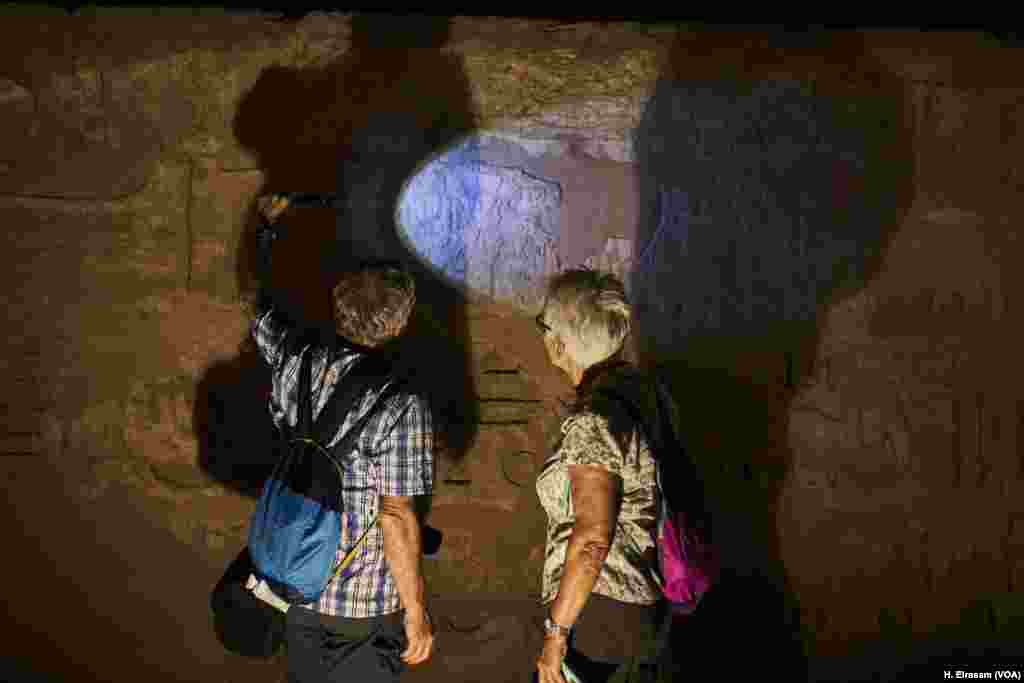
x,y
371,621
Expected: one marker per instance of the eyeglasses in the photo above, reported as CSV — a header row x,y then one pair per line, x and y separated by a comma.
x,y
544,328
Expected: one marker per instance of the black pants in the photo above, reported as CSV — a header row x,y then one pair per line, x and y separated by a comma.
x,y
598,657
324,649
617,670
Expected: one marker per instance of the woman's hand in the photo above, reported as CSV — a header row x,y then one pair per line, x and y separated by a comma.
x,y
549,665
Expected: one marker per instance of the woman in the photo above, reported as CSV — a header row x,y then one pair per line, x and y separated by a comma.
x,y
602,600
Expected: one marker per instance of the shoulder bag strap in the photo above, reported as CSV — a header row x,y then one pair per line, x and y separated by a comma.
x,y
365,375
346,444
304,419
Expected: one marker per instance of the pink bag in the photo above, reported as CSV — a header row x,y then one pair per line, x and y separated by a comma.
x,y
689,565
688,560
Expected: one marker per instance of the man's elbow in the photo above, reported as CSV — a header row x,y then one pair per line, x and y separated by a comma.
x,y
396,510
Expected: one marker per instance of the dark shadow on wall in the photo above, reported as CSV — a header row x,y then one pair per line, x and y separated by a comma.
x,y
763,202
357,128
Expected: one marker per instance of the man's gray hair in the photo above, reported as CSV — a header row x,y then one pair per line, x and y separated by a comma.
x,y
588,309
373,303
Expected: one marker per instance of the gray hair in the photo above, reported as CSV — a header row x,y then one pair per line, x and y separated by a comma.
x,y
588,309
372,304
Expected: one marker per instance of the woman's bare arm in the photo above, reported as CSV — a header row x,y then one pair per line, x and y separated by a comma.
x,y
596,498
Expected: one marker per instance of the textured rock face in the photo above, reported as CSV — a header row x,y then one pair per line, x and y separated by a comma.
x,y
72,138
842,338
488,226
760,201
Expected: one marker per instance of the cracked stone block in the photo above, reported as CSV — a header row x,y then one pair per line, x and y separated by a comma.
x,y
186,530
17,444
497,385
15,96
180,476
819,396
215,540
498,469
897,442
817,435
82,92
492,362
812,479
121,470
17,106
872,426
79,146
455,473
519,466
499,411
218,204
464,566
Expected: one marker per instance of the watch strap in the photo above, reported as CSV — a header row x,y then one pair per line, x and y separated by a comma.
x,y
552,627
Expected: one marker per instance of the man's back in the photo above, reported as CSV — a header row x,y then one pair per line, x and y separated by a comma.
x,y
392,456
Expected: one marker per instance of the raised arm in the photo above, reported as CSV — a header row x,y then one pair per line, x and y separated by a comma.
x,y
270,326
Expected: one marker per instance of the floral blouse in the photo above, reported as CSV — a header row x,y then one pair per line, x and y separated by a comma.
x,y
630,572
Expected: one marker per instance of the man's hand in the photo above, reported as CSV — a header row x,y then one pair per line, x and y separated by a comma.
x,y
549,665
271,206
402,549
420,634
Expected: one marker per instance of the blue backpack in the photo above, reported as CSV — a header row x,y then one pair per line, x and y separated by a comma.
x,y
296,527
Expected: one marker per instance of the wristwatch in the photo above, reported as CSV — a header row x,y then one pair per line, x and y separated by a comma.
x,y
552,627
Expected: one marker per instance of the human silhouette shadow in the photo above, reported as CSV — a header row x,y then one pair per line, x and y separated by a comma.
x,y
355,129
762,202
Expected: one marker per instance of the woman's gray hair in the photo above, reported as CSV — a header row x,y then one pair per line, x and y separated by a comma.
x,y
588,309
372,304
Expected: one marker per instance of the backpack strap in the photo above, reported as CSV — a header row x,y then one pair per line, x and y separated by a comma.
x,y
302,342
368,373
667,446
642,422
350,393
304,422
683,469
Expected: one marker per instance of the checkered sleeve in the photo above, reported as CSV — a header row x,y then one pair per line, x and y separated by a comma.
x,y
270,329
406,450
270,325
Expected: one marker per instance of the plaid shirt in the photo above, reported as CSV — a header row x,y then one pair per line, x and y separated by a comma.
x,y
392,457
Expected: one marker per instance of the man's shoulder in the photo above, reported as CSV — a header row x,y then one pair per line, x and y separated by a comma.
x,y
394,375
401,369
403,397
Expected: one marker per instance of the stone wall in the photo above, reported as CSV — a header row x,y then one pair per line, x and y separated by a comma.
x,y
868,466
